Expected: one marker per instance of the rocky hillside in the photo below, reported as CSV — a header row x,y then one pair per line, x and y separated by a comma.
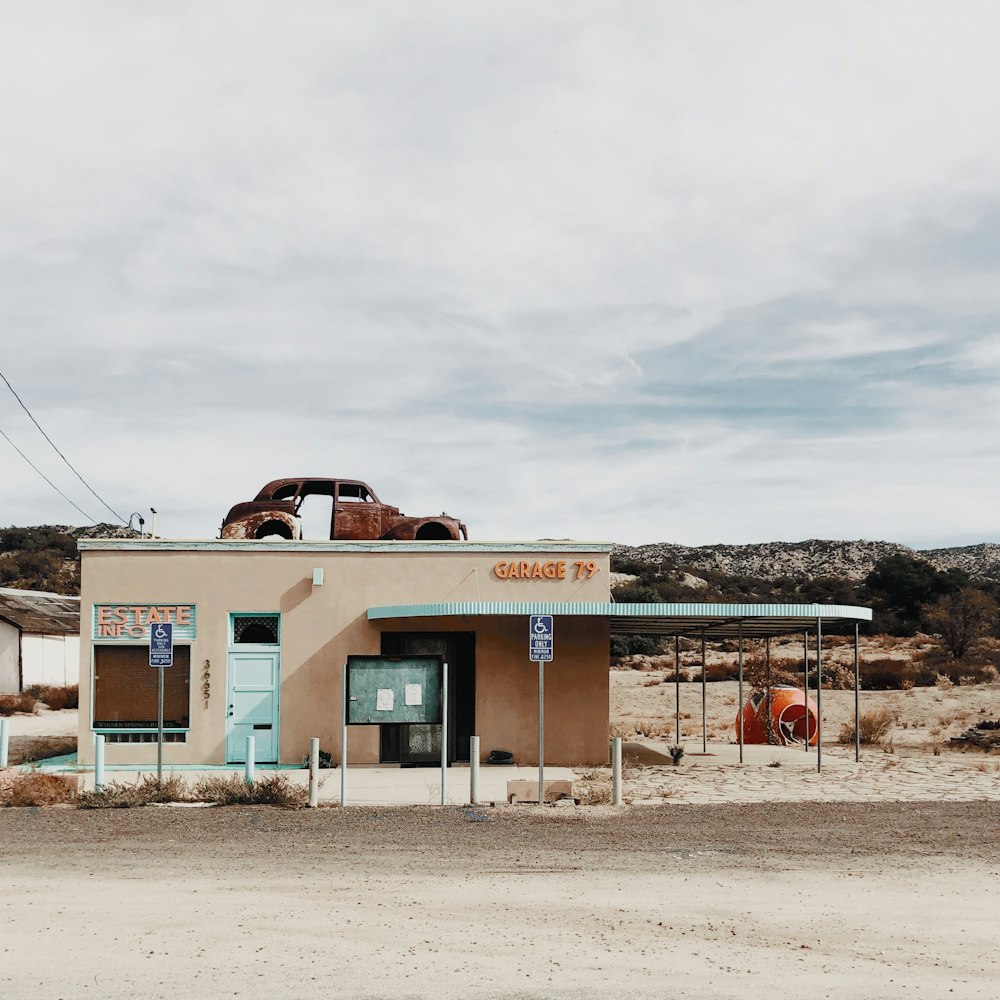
x,y
45,557
851,560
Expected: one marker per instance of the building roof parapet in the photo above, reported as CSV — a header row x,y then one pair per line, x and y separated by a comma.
x,y
320,546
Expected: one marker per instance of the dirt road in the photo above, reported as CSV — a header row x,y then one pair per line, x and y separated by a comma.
x,y
681,901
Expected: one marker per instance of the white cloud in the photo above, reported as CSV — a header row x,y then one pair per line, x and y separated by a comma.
x,y
569,269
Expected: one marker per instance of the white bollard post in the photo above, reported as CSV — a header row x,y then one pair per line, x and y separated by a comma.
x,y
474,770
4,741
616,771
98,762
250,761
313,773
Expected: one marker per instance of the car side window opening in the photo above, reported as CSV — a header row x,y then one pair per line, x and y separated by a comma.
x,y
353,493
286,492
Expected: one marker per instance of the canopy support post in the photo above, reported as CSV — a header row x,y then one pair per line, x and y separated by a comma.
x,y
857,697
740,698
805,682
704,703
819,694
677,690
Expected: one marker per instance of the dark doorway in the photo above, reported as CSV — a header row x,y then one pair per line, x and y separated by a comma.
x,y
420,746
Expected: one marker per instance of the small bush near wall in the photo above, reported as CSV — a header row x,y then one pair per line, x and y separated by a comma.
x,y
146,790
37,789
271,790
11,703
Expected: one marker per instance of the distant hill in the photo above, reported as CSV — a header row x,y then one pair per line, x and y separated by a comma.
x,y
45,557
849,560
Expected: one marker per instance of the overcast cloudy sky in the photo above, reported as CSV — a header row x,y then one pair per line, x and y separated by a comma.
x,y
697,272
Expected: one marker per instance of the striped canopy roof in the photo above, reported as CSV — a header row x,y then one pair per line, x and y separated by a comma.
x,y
717,621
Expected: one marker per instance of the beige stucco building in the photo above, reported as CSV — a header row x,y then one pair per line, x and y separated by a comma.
x,y
261,630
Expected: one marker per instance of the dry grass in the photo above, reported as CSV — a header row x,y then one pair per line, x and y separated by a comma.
x,y
23,702
272,790
143,792
34,788
594,786
873,727
57,698
649,729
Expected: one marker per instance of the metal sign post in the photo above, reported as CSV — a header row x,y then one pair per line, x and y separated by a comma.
x,y
540,644
161,655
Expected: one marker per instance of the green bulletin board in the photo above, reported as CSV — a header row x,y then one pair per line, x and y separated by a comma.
x,y
393,689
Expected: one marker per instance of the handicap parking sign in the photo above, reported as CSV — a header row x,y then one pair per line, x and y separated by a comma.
x,y
540,638
161,644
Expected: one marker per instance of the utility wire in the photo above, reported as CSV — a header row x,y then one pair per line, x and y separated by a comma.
x,y
45,477
59,453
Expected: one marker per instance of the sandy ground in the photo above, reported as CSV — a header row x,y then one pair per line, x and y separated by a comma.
x,y
876,879
852,901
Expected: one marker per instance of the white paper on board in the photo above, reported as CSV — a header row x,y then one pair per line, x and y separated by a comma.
x,y
383,700
414,694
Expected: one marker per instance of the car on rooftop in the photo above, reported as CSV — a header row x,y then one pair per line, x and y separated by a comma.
x,y
355,513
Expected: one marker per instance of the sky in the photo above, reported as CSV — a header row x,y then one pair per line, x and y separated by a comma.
x,y
689,272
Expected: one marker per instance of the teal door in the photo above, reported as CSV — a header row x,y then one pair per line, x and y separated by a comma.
x,y
253,706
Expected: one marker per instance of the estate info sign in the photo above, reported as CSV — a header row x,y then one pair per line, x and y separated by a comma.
x,y
135,622
540,638
161,645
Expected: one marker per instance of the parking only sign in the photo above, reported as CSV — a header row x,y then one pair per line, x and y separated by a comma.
x,y
540,638
161,644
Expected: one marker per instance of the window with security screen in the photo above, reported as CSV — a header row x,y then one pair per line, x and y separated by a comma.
x,y
125,688
256,630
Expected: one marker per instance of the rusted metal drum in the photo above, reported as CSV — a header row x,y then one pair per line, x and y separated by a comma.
x,y
791,712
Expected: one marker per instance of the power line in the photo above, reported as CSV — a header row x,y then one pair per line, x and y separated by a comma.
x,y
59,453
45,477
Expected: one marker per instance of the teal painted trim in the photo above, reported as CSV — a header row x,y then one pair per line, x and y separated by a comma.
x,y
68,764
604,609
304,546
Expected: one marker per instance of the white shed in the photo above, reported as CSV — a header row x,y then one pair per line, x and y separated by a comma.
x,y
39,639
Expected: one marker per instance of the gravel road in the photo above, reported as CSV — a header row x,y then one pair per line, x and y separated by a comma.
x,y
681,901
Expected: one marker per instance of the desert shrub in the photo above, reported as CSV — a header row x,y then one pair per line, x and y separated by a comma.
x,y
720,672
943,682
11,703
961,619
873,726
648,728
635,645
33,788
271,790
54,697
121,795
72,693
979,673
838,677
757,674
674,675
884,674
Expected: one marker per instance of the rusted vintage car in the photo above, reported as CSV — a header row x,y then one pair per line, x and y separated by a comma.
x,y
348,509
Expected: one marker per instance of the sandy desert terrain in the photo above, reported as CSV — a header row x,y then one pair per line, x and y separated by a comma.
x,y
875,879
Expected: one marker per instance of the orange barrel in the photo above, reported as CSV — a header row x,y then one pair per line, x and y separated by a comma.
x,y
790,710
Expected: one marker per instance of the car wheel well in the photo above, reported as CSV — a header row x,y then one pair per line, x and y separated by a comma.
x,y
432,531
274,529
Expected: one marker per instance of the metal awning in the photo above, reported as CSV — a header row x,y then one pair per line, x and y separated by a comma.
x,y
717,621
